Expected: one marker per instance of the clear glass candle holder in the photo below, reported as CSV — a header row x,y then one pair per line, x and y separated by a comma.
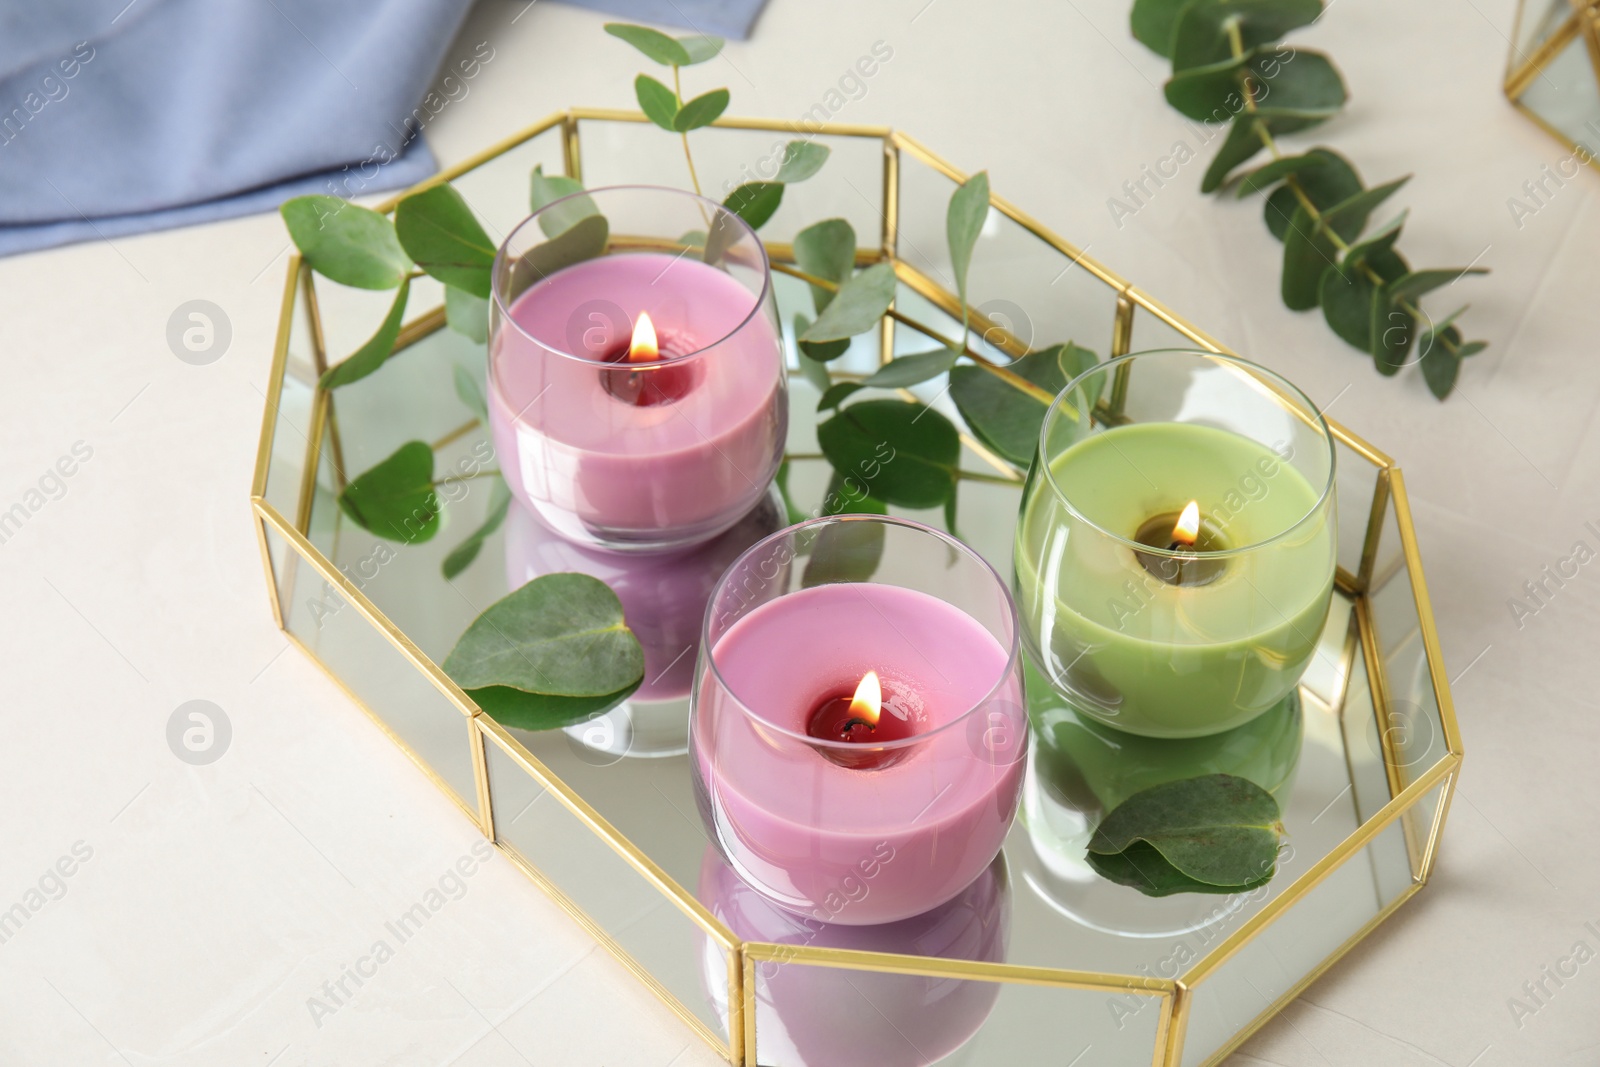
x,y
1150,621
636,371
843,800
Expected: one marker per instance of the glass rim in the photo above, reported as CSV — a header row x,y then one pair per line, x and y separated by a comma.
x,y
1013,646
1288,392
501,258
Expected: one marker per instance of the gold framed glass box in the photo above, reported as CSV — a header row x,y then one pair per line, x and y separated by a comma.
x,y
1553,77
1040,957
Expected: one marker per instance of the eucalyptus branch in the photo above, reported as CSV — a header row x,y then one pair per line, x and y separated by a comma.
x,y
1303,198
1227,67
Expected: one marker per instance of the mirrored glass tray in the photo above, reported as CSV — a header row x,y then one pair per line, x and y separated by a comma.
x,y
1040,957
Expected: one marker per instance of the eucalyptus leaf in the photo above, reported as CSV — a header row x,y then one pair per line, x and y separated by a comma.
x,y
700,48
906,454
815,372
703,110
1346,295
1308,251
801,160
1154,22
1266,176
377,349
546,189
467,314
585,240
439,231
1217,829
659,103
836,393
1210,93
469,393
1440,366
1297,82
558,635
857,307
1201,33
1006,419
461,557
1382,240
964,218
1244,141
826,249
909,370
346,242
1146,870
657,45
847,496
824,351
1331,181
845,552
1418,282
755,202
541,711
1392,330
395,499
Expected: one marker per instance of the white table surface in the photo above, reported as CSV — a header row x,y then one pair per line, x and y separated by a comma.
x,y
218,899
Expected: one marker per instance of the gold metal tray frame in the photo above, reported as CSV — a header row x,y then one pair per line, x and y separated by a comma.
x,y
1383,578
1553,74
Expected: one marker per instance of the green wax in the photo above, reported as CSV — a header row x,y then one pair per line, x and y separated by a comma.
x,y
1164,660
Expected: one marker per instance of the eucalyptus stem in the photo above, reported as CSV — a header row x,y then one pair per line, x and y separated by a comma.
x,y
677,89
1236,43
465,477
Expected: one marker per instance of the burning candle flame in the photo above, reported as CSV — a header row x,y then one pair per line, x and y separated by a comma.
x,y
1188,526
643,347
868,701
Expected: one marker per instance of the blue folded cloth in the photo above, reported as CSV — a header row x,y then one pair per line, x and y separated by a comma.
x,y
119,116
719,18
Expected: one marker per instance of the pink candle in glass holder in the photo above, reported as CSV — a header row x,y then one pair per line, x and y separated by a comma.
x,y
637,397
857,745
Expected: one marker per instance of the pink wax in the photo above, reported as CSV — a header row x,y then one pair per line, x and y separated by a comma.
x,y
596,467
845,844
825,1017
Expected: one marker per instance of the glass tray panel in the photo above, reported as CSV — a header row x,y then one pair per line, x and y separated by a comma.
x,y
1372,659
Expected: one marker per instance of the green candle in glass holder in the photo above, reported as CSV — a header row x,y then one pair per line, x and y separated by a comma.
x,y
1174,559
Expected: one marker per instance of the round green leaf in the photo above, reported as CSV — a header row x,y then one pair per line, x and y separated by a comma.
x,y
801,160
857,307
440,232
461,557
346,242
659,104
826,249
700,49
558,635
1154,22
755,202
395,499
657,45
1217,828
910,370
1003,417
701,111
546,189
1201,34
906,454
964,218
467,314
377,349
